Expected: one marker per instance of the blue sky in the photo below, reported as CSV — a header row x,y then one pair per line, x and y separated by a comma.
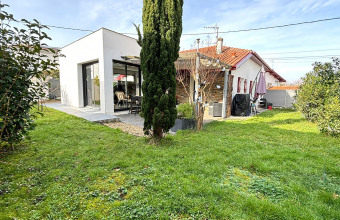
x,y
272,44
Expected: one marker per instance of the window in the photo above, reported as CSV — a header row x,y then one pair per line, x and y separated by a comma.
x,y
245,86
239,85
250,86
126,83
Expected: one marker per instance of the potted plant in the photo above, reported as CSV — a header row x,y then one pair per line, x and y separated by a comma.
x,y
185,117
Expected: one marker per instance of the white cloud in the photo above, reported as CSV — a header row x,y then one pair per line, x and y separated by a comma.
x,y
115,15
95,9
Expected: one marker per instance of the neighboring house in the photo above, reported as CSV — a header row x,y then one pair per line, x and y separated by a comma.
x,y
51,84
245,65
99,70
281,96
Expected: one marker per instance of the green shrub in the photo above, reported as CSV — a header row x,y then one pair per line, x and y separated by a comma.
x,y
21,60
328,119
319,96
185,110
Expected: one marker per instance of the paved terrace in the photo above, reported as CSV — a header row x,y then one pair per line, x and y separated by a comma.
x,y
93,114
88,113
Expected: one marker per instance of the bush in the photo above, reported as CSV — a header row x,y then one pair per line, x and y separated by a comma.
x,y
185,110
329,116
319,96
21,61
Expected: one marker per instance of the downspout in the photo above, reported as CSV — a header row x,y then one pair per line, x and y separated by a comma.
x,y
197,83
225,93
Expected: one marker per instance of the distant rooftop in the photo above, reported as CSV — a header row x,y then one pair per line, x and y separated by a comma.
x,y
284,88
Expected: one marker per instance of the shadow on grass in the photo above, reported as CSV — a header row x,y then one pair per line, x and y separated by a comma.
x,y
271,113
286,121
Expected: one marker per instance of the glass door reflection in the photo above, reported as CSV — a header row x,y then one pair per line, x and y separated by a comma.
x,y
126,83
91,85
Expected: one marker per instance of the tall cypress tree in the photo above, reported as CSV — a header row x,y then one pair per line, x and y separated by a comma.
x,y
162,29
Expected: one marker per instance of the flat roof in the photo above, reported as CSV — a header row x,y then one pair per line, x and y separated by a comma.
x,y
95,32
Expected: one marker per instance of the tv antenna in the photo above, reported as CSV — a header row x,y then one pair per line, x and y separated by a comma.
x,y
215,30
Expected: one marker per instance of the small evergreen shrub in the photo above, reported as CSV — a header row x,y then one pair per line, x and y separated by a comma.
x,y
185,110
162,29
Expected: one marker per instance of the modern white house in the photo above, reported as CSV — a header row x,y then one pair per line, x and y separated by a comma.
x,y
99,70
50,84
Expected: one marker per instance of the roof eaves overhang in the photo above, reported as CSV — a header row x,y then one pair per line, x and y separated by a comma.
x,y
241,62
268,69
257,59
131,59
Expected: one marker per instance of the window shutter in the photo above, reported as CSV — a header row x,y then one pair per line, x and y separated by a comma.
x,y
239,85
250,86
245,86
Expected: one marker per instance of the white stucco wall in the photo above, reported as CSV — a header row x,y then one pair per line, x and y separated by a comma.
x,y
115,46
102,46
271,80
85,50
248,70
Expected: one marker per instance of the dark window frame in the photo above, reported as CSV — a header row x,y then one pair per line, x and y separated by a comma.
x,y
85,97
130,64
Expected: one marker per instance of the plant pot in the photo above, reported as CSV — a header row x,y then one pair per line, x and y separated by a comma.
x,y
184,124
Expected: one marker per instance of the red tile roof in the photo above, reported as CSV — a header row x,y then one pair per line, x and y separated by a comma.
x,y
229,55
232,56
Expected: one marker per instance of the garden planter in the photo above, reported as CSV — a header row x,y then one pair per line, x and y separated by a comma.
x,y
184,124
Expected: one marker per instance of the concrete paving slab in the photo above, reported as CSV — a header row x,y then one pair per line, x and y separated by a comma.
x,y
89,113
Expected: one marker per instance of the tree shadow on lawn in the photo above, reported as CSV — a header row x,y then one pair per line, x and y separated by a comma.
x,y
287,121
272,113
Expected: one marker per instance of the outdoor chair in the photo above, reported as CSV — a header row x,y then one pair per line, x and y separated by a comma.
x,y
121,97
253,106
135,104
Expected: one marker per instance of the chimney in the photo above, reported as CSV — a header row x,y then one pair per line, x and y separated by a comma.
x,y
219,45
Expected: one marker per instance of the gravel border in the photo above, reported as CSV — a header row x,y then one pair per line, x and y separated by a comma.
x,y
131,129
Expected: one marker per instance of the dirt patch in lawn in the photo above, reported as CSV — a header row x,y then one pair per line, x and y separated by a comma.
x,y
131,129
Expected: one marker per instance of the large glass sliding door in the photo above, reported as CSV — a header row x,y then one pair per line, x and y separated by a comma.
x,y
126,83
91,85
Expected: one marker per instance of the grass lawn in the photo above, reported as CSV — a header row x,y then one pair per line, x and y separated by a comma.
x,y
273,166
